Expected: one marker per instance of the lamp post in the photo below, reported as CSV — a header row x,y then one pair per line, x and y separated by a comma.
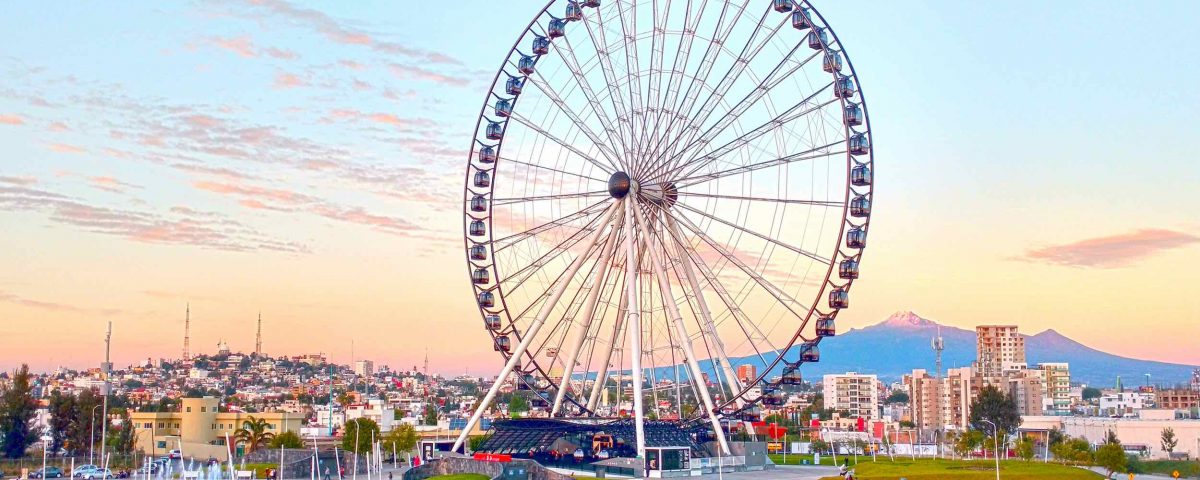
x,y
92,439
996,438
45,447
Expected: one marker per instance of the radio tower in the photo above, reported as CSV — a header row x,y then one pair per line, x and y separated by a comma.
x,y
938,345
258,338
187,326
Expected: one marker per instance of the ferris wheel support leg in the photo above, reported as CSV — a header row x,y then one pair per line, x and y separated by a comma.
x,y
589,307
555,293
634,313
602,374
684,340
709,327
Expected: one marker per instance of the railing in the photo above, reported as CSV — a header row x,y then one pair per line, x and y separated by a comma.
x,y
712,462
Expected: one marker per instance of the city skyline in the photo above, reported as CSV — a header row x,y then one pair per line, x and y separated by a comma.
x,y
268,156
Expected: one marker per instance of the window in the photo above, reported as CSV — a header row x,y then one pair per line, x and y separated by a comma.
x,y
214,426
161,425
203,409
189,409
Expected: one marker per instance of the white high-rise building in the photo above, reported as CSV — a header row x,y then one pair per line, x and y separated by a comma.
x,y
853,392
998,348
1057,378
364,368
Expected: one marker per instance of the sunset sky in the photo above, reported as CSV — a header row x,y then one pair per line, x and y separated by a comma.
x,y
1035,165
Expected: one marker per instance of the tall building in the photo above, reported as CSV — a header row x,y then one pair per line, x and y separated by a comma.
x,y
1027,387
364,368
951,402
747,373
1057,378
853,392
998,348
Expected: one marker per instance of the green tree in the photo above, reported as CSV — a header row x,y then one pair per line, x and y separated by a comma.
x,y
818,446
17,408
1110,438
288,439
1075,450
402,438
1056,436
81,435
122,439
1111,457
968,442
430,415
477,441
1168,440
1024,448
62,417
897,396
253,434
997,407
362,430
1090,393
517,404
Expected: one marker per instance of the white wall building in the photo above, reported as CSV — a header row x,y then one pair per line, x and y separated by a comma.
x,y
1124,403
852,392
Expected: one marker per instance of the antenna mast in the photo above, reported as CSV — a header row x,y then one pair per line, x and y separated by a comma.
x,y
938,345
258,339
187,327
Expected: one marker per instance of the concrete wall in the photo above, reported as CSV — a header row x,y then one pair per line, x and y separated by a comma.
x,y
448,465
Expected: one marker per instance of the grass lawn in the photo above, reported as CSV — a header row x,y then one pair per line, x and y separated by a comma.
x,y
460,476
794,459
931,469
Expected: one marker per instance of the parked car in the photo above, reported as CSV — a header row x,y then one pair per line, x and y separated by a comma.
x,y
151,468
50,472
174,454
81,470
98,473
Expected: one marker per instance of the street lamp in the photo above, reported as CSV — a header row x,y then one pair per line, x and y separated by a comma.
x,y
45,447
92,439
996,438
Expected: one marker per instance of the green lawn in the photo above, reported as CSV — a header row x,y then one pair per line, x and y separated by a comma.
x,y
931,469
460,476
1186,468
793,459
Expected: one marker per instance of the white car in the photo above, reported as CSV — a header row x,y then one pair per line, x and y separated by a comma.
x,y
97,473
81,470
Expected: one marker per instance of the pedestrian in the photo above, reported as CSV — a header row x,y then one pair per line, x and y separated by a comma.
x,y
389,475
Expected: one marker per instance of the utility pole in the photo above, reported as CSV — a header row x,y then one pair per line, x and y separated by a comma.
x,y
104,369
938,345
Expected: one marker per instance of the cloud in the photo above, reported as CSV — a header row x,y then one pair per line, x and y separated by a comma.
x,y
280,53
175,227
110,184
274,194
58,127
242,46
284,81
411,72
337,31
7,297
21,181
1112,251
11,120
64,148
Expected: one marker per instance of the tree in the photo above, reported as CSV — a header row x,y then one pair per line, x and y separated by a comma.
x,y
1169,442
968,441
402,438
1073,450
362,430
17,408
288,439
1024,448
253,434
62,418
897,396
1111,457
517,404
997,407
430,415
81,435
122,439
477,441
818,446
907,424
1056,436
1090,393
1110,438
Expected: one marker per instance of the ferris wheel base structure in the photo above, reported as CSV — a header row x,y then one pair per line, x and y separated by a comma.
x,y
657,187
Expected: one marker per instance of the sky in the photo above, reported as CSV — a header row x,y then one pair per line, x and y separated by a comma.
x,y
1034,166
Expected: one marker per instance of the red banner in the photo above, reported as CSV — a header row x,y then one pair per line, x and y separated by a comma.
x,y
492,457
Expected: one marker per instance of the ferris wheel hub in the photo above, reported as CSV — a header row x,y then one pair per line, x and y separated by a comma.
x,y
619,184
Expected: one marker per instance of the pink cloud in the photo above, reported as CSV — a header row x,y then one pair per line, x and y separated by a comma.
x,y
284,81
242,46
58,127
7,297
64,148
351,64
21,181
411,72
110,184
274,194
11,120
280,53
1111,251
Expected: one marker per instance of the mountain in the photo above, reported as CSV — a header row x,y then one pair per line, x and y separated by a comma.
x,y
901,343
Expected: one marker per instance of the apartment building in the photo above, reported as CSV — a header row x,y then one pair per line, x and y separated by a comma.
x,y
853,392
999,348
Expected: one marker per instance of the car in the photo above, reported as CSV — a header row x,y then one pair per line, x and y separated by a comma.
x,y
50,472
174,454
151,468
97,473
79,471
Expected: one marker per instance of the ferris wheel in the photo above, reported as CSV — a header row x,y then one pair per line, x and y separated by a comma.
x,y
659,192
